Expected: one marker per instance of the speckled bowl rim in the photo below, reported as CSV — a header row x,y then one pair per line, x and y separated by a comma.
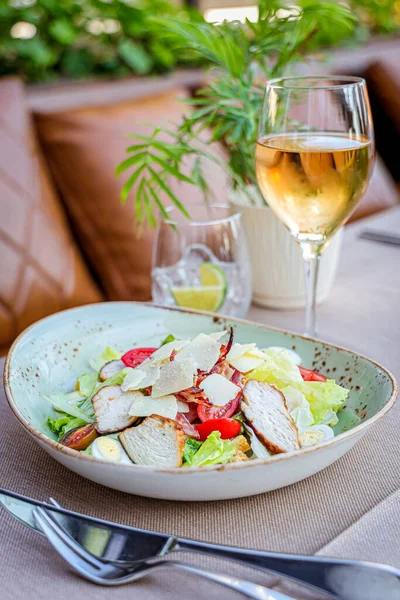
x,y
358,429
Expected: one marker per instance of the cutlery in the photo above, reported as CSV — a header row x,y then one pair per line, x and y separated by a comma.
x,y
377,236
118,544
103,573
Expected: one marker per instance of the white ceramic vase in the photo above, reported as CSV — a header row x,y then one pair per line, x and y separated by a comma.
x,y
277,264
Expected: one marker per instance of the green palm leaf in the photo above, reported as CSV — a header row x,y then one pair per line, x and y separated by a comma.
x,y
230,102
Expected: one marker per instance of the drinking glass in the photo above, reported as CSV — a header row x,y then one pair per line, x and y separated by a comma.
x,y
202,263
314,160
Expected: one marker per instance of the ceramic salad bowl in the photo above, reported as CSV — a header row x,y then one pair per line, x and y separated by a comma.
x,y
48,357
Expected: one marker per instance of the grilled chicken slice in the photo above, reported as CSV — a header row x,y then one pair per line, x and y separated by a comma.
x,y
157,441
111,408
110,368
266,412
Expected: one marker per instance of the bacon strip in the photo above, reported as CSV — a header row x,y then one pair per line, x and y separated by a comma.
x,y
188,428
191,415
238,378
222,368
193,394
218,367
225,348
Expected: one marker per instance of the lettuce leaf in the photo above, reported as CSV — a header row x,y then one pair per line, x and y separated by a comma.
x,y
258,449
323,397
214,451
106,356
87,383
330,418
57,425
168,339
239,417
61,404
75,396
298,407
115,379
62,425
190,449
73,424
278,369
109,354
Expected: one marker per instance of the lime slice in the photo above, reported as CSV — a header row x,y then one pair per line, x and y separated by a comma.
x,y
209,297
210,274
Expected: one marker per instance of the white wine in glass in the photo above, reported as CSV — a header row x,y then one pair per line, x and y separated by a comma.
x,y
314,159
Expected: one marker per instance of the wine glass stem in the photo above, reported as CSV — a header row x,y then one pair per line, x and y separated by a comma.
x,y
311,255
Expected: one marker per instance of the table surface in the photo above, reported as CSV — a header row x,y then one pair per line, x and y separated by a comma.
x,y
346,510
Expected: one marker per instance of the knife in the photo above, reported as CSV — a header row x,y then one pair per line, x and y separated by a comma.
x,y
378,236
341,579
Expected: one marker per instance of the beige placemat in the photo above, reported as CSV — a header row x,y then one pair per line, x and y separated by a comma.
x,y
375,537
301,518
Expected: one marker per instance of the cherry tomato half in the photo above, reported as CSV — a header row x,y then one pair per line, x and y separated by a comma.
x,y
205,413
136,356
309,375
228,428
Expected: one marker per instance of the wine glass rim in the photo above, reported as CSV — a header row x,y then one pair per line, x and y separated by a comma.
x,y
234,215
338,81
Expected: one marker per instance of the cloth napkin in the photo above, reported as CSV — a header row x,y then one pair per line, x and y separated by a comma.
x,y
374,537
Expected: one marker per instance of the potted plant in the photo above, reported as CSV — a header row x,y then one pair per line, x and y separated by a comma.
x,y
226,112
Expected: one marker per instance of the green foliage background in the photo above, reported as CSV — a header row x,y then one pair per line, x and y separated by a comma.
x,y
377,16
63,46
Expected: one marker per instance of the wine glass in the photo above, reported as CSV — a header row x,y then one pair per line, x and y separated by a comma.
x,y
203,262
314,159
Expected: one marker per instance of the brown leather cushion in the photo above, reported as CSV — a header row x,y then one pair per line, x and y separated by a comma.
x,y
381,194
83,147
42,270
383,80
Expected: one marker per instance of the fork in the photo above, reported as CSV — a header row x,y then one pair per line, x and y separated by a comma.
x,y
107,574
128,547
